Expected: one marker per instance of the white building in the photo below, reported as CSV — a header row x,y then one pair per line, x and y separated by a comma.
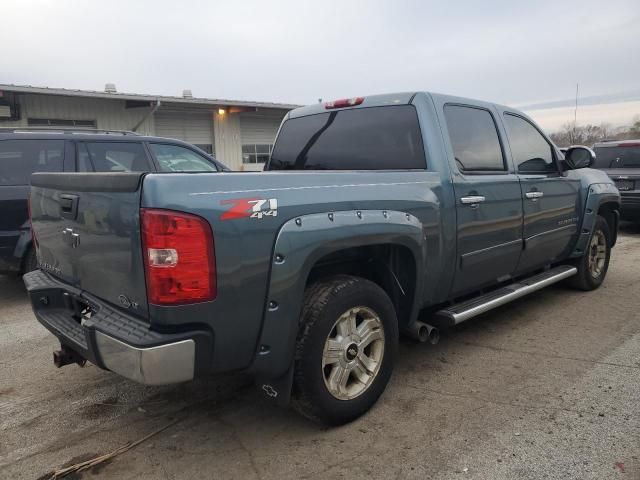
x,y
240,134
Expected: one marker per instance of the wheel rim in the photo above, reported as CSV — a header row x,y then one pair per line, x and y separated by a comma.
x,y
597,253
353,353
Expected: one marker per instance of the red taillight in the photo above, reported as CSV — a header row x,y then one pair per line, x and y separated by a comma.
x,y
179,257
344,102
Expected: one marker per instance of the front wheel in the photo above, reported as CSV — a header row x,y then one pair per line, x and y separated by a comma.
x,y
593,265
346,347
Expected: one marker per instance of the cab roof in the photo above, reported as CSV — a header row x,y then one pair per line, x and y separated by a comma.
x,y
369,101
402,98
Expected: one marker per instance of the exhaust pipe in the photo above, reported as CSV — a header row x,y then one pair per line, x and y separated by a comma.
x,y
423,332
66,356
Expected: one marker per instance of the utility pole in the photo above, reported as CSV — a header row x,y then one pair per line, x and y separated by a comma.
x,y
575,116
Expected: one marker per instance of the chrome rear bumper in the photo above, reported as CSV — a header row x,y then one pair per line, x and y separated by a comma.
x,y
115,340
160,365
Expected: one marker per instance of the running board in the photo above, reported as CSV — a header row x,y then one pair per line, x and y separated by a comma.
x,y
460,312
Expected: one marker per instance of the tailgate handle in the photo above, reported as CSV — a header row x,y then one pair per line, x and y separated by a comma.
x,y
69,206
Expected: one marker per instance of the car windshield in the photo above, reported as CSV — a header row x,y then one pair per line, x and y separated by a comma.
x,y
622,156
174,158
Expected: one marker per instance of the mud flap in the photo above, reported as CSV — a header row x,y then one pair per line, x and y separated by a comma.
x,y
277,389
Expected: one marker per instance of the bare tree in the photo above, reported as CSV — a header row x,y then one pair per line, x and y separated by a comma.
x,y
571,134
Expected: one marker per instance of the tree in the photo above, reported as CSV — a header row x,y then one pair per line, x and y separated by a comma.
x,y
634,130
571,134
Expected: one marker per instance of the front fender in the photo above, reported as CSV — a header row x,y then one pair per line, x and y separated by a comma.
x,y
597,195
300,243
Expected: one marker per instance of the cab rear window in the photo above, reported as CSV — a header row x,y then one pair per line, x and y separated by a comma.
x,y
20,158
374,138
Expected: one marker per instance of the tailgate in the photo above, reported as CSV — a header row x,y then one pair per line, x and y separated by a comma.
x,y
87,229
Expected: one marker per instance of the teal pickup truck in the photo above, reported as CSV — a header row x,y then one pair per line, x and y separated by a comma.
x,y
376,216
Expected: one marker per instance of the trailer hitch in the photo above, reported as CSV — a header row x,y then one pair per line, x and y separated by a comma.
x,y
67,356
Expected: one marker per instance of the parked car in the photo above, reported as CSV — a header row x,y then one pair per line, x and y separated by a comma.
x,y
621,161
27,150
377,215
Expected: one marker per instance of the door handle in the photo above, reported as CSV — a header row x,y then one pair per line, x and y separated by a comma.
x,y
472,200
534,195
69,206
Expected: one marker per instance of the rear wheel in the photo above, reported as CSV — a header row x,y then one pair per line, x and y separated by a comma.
x,y
346,347
593,265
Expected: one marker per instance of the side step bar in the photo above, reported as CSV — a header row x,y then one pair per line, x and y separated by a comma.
x,y
460,312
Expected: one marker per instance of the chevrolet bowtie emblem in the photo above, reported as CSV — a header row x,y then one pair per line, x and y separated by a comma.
x,y
70,237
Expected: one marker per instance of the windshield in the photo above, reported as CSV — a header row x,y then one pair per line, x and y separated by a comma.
x,y
174,158
626,156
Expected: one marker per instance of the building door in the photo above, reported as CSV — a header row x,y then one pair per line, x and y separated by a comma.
x,y
191,126
258,131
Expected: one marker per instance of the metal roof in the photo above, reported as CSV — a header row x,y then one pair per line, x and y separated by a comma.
x,y
218,102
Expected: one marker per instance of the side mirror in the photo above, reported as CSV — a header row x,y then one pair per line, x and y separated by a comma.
x,y
579,157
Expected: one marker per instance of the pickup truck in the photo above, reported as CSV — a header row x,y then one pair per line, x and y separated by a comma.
x,y
621,161
376,216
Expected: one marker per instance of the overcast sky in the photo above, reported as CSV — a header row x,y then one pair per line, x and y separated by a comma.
x,y
512,52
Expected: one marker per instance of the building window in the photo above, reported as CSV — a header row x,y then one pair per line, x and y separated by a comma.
x,y
58,122
206,147
256,153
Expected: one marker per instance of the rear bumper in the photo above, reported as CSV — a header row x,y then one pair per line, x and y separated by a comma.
x,y
114,340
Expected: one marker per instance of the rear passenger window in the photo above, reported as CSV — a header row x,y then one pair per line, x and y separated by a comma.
x,y
474,138
374,138
531,151
20,158
112,157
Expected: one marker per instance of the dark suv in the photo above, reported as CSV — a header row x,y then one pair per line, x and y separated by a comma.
x,y
621,161
27,150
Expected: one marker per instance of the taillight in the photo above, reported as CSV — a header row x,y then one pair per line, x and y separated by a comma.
x,y
179,257
344,102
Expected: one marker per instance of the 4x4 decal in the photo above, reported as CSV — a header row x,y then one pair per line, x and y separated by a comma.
x,y
250,207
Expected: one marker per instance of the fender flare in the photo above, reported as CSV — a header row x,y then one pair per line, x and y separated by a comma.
x,y
597,195
300,243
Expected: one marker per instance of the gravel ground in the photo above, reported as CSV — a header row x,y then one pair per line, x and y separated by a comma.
x,y
547,387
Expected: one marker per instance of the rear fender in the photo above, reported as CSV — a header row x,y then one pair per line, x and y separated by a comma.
x,y
300,243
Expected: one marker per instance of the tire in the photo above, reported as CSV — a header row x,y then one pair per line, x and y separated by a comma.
x,y
593,269
329,306
30,262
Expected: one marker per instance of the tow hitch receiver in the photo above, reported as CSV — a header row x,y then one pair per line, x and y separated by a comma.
x,y
66,356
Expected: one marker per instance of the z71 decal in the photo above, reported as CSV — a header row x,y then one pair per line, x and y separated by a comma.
x,y
250,207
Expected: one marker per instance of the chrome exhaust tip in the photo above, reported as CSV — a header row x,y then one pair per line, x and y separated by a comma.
x,y
423,332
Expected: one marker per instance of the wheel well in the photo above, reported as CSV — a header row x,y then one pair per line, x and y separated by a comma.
x,y
609,211
390,266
